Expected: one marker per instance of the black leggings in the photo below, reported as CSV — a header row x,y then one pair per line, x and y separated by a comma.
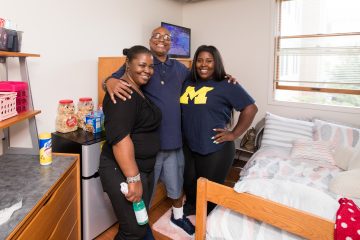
x,y
214,166
111,177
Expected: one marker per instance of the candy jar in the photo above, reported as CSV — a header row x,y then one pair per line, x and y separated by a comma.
x,y
66,119
85,106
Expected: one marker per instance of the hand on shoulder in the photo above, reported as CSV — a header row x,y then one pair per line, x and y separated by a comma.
x,y
119,88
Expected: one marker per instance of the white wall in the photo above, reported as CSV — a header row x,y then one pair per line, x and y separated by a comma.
x,y
70,36
242,31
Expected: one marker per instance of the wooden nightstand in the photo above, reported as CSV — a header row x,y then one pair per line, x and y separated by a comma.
x,y
243,154
240,159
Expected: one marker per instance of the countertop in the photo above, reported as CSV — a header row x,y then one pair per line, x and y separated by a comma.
x,y
22,177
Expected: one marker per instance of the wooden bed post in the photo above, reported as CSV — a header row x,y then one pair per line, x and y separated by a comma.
x,y
201,209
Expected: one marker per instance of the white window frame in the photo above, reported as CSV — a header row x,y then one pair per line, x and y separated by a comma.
x,y
271,86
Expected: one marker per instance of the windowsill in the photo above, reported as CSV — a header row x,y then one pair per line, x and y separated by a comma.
x,y
315,106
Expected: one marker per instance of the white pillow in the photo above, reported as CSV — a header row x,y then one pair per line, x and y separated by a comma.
x,y
354,162
314,151
281,131
339,135
346,183
342,156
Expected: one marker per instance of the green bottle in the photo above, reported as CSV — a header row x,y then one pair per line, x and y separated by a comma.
x,y
140,212
139,207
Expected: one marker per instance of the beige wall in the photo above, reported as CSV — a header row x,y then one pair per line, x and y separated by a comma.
x,y
70,36
242,31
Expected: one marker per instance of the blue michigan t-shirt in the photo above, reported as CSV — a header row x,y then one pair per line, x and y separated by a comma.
x,y
206,105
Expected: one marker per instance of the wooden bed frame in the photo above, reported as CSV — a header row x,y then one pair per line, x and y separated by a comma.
x,y
290,219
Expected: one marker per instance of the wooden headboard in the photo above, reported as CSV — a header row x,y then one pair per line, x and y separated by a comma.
x,y
108,65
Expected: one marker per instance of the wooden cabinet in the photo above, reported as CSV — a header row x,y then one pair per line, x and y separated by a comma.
x,y
108,65
57,215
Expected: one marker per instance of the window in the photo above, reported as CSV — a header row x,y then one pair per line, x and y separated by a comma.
x,y
317,52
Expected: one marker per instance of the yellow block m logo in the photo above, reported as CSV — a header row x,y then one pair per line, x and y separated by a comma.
x,y
199,96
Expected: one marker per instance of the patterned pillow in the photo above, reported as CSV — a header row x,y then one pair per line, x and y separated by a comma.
x,y
338,135
281,131
319,152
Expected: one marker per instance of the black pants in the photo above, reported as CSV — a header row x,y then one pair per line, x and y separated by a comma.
x,y
214,166
111,177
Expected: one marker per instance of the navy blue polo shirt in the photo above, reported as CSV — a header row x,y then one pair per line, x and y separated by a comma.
x,y
164,89
207,105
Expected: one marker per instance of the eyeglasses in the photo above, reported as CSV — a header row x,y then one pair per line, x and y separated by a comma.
x,y
165,37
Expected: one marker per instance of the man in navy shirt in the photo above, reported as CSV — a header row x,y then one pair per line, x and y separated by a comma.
x,y
164,89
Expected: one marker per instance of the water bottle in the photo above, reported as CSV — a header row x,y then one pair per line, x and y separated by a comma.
x,y
140,212
139,207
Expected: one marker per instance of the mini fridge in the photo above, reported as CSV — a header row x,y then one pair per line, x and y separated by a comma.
x,y
96,208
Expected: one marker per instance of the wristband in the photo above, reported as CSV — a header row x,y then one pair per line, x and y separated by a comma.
x,y
104,83
133,179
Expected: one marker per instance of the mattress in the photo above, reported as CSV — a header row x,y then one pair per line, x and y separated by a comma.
x,y
273,175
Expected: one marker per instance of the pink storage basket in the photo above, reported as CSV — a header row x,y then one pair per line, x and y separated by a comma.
x,y
7,105
21,88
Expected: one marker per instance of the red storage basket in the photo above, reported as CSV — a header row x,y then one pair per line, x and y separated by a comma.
x,y
21,88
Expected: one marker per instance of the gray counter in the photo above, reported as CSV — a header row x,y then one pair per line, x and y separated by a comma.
x,y
22,177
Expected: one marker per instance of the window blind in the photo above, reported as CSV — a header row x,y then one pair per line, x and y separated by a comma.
x,y
318,46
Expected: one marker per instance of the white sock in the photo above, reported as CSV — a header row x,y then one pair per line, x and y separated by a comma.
x,y
178,212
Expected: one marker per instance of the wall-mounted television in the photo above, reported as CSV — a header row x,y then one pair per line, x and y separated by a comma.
x,y
180,40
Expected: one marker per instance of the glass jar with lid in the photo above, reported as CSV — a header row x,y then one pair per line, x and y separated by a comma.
x,y
85,106
66,120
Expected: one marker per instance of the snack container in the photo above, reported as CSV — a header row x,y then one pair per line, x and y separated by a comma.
x,y
84,106
94,122
66,120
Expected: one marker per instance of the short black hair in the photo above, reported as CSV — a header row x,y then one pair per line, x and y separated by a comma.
x,y
131,53
219,70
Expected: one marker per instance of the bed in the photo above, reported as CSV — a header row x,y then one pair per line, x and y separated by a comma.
x,y
285,190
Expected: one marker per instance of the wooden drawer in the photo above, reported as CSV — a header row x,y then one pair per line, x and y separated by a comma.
x,y
67,222
45,222
74,233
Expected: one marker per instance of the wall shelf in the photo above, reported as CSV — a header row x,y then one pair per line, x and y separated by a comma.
x,y
28,115
18,118
17,54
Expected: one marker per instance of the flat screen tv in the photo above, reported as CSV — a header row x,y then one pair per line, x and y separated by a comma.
x,y
180,40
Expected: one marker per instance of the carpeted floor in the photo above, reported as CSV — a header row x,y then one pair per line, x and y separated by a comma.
x,y
162,225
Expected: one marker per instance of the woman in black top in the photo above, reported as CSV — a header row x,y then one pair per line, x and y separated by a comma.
x,y
132,142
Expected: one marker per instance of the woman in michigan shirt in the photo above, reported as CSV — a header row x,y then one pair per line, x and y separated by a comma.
x,y
207,103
